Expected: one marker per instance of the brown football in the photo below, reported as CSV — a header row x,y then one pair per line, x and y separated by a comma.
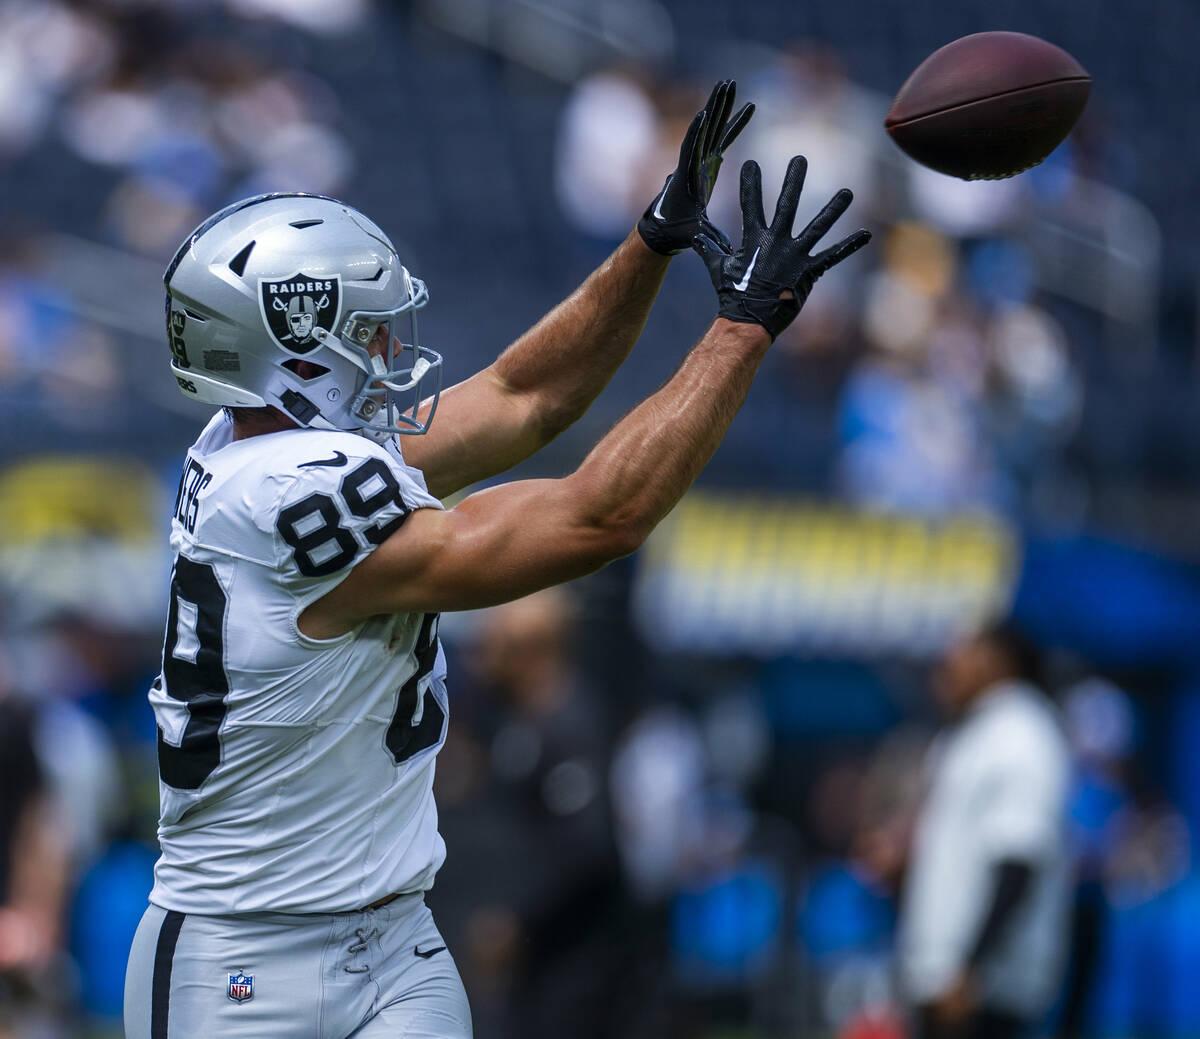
x,y
988,106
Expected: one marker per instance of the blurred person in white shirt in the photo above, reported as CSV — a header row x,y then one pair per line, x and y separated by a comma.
x,y
607,144
983,924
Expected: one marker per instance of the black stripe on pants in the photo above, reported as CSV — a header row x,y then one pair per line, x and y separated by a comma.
x,y
160,991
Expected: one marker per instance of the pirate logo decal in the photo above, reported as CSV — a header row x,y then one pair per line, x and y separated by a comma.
x,y
293,307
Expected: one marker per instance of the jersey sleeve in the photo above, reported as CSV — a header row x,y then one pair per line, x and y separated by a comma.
x,y
328,518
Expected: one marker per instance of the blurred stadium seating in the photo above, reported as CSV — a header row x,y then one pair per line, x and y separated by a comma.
x,y
993,411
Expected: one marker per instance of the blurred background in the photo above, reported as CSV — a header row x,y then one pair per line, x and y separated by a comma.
x,y
666,788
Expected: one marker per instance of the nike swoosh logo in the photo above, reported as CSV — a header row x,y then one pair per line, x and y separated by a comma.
x,y
744,284
658,205
336,462
428,952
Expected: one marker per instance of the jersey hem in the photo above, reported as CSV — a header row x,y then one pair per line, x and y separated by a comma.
x,y
308,911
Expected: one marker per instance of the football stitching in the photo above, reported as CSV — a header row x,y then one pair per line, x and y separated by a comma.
x,y
890,124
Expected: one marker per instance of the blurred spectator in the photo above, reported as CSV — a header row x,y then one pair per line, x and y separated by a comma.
x,y
965,208
1149,952
659,773
982,933
807,104
1100,727
186,122
534,924
318,16
34,877
907,413
46,47
607,138
968,393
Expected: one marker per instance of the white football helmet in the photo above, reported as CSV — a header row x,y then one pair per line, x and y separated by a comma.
x,y
277,279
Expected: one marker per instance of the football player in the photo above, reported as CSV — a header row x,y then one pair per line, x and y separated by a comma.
x,y
302,699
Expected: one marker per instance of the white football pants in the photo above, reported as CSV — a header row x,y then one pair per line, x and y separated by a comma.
x,y
376,974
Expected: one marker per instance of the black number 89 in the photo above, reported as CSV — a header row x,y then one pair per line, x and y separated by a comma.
x,y
312,526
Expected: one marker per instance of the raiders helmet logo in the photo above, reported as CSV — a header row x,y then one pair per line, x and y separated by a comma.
x,y
293,307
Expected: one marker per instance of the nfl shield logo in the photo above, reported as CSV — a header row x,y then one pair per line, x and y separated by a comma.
x,y
241,987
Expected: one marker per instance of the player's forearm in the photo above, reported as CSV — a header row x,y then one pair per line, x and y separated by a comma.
x,y
641,469
568,357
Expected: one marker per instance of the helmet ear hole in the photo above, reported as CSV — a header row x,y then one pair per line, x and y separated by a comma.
x,y
306,370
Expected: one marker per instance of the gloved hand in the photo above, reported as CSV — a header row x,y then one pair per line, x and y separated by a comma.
x,y
766,281
677,215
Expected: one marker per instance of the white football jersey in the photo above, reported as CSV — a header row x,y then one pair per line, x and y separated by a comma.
x,y
295,774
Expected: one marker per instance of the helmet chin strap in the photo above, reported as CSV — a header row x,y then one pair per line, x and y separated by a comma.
x,y
380,436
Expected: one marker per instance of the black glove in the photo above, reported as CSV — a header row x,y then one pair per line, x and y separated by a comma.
x,y
770,276
677,215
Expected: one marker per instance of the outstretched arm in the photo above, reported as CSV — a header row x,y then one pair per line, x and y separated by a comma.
x,y
508,541
545,380
550,376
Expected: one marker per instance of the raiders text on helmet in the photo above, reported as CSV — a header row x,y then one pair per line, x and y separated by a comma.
x,y
278,279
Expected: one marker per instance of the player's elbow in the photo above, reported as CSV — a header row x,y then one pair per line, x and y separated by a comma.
x,y
543,412
556,413
628,537
617,535
603,530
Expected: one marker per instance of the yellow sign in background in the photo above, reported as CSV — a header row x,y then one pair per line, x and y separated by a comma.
x,y
766,576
